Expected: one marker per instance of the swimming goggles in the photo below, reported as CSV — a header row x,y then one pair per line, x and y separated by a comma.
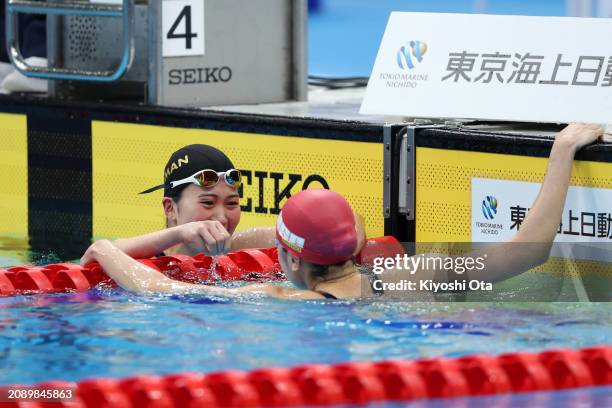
x,y
209,178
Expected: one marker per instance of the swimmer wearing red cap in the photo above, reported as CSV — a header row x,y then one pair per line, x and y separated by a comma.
x,y
316,234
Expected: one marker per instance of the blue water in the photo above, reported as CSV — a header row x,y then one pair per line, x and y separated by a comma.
x,y
344,35
116,334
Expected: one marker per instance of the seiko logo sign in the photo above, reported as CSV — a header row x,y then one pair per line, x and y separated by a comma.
x,y
208,75
283,189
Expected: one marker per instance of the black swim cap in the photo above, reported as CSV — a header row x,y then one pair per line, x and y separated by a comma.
x,y
187,161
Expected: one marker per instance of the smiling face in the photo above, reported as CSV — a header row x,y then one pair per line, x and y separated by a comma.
x,y
219,203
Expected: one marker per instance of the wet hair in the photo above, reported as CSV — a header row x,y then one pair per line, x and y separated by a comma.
x,y
319,271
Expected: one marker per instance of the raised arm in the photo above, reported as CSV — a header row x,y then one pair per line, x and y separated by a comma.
x,y
542,221
531,246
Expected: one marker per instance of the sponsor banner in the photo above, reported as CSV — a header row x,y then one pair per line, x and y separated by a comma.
x,y
430,65
499,207
128,158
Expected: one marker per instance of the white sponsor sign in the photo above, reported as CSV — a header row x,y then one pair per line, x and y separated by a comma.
x,y
499,207
543,69
182,28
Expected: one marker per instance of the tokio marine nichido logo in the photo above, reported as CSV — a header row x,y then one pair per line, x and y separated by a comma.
x,y
489,207
489,210
406,59
413,50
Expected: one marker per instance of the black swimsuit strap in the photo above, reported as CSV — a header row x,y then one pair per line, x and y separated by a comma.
x,y
374,280
326,295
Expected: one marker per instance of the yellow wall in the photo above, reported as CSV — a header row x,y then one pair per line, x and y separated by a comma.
x,y
444,186
14,175
128,158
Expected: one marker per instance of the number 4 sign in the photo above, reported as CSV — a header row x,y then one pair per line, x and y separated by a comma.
x,y
182,28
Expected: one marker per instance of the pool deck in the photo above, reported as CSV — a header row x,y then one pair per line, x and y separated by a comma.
x,y
343,105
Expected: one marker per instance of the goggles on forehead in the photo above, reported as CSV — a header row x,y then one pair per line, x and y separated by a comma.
x,y
210,178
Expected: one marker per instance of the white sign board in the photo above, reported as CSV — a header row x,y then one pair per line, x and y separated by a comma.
x,y
542,69
182,28
500,206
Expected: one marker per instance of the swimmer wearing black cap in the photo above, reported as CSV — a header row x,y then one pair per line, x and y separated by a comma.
x,y
316,239
202,208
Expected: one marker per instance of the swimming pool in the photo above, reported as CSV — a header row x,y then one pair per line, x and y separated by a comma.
x,y
112,333
116,334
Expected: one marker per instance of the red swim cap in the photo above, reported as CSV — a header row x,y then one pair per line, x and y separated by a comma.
x,y
319,226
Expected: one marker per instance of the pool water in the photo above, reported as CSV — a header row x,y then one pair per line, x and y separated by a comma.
x,y
114,333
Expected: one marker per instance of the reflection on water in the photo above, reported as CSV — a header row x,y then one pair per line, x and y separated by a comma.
x,y
16,251
13,251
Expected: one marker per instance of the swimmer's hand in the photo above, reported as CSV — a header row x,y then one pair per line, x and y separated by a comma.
x,y
577,135
209,237
101,247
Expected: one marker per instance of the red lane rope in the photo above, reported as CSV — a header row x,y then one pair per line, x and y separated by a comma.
x,y
250,265
349,383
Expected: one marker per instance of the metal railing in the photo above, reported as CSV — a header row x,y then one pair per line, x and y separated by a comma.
x,y
124,11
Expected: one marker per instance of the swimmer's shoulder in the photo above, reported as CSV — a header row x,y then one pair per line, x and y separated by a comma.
x,y
281,292
289,293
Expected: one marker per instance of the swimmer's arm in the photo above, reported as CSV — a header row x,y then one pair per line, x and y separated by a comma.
x,y
134,276
127,272
264,237
257,237
149,245
543,218
198,236
531,245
